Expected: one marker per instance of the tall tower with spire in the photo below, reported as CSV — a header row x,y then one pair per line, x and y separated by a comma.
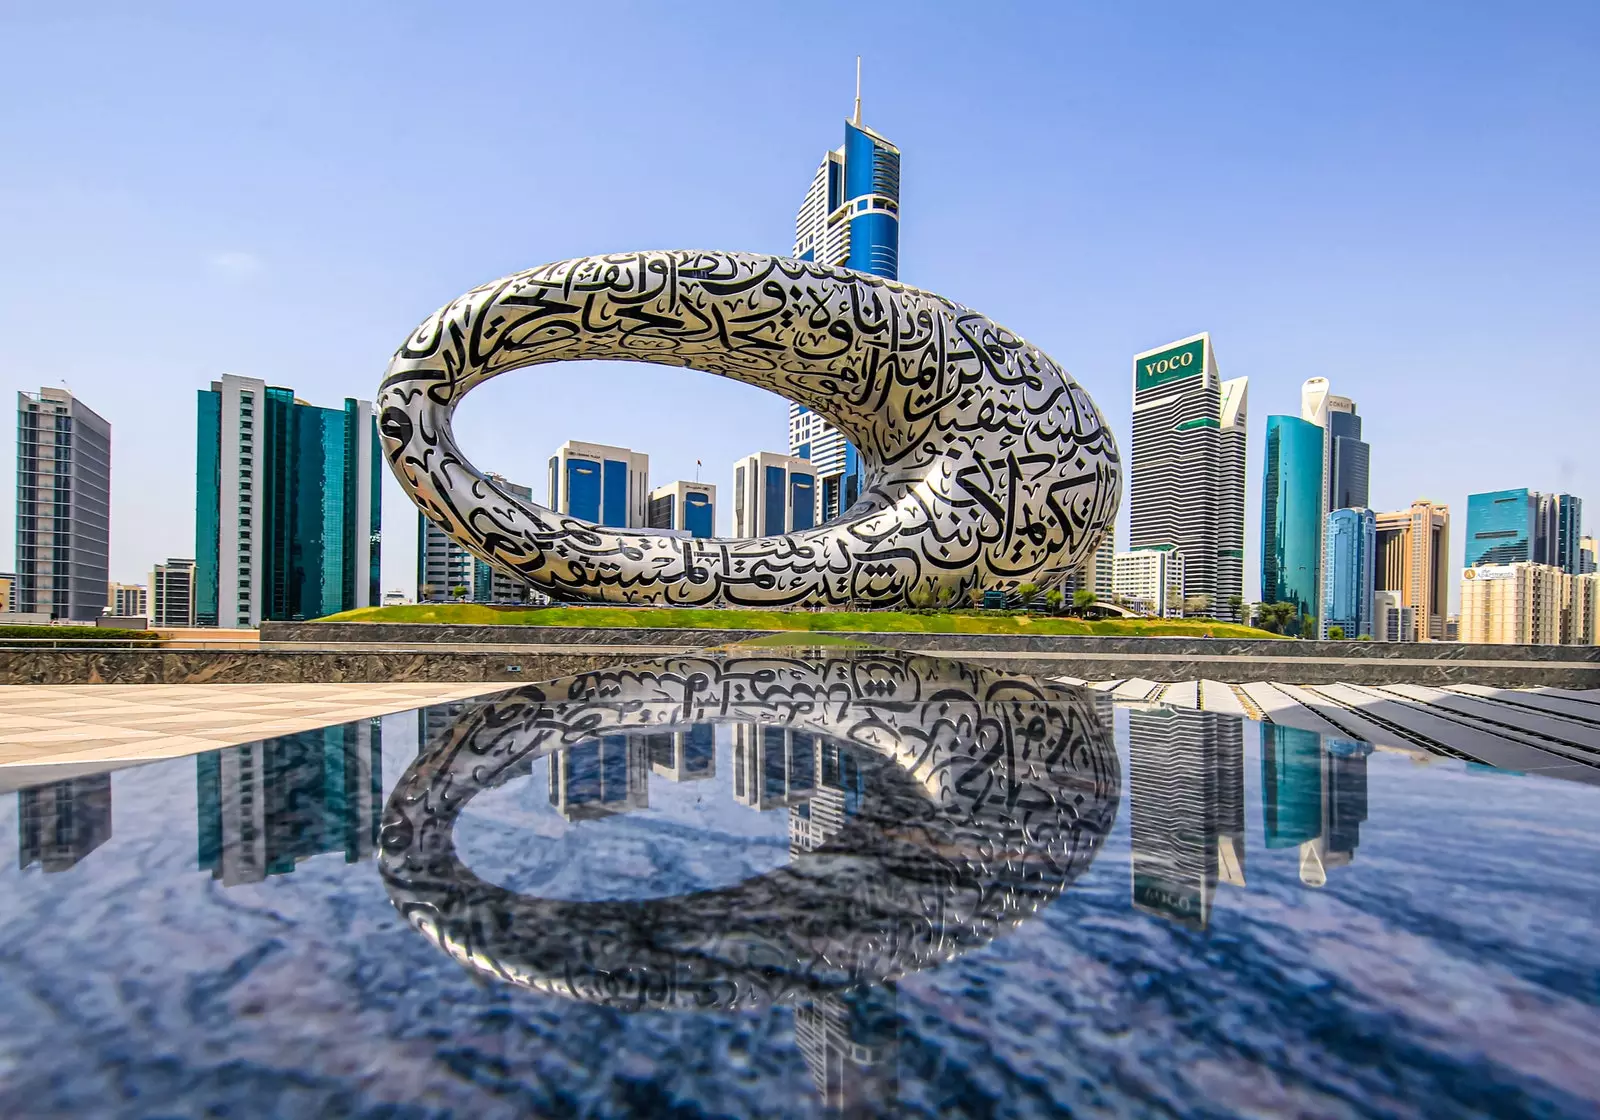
x,y
850,217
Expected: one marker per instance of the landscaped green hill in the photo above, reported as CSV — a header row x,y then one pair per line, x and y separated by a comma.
x,y
942,622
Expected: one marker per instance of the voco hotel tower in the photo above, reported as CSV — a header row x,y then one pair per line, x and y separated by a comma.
x,y
1188,468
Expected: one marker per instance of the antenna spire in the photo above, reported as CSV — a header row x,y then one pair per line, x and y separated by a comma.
x,y
858,90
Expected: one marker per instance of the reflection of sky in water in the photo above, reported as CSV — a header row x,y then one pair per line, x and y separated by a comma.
x,y
692,836
1448,964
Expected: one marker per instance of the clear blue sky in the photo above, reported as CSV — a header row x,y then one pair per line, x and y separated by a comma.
x,y
1402,198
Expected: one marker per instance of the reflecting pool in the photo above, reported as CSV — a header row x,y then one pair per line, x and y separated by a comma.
x,y
802,884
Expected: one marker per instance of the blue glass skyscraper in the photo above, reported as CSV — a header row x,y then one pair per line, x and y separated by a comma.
x,y
1500,527
850,217
1291,514
1348,571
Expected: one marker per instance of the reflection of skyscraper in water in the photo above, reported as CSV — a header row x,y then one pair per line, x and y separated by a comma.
x,y
1314,794
436,719
1186,793
840,784
851,1046
684,756
265,806
600,777
60,823
774,767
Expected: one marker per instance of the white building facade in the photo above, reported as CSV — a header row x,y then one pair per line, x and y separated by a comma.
x,y
1151,579
606,485
773,494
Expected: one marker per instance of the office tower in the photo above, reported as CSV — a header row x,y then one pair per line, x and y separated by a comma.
x,y
1513,604
445,570
850,1041
1559,529
1345,457
1187,488
1588,555
1349,558
1232,444
600,483
489,583
850,217
128,600
1514,526
265,806
172,598
63,507
773,494
1291,785
689,508
683,756
1501,527
774,767
600,777
1292,500
287,505
1413,559
8,592
1097,573
1151,579
1392,620
1186,794
60,823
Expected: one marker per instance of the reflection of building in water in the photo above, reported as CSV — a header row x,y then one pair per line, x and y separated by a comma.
x,y
840,786
1314,794
1186,789
599,777
851,1046
59,824
774,767
265,806
684,756
436,719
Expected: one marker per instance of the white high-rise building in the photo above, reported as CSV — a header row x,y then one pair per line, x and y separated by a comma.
x,y
773,494
1188,467
172,599
607,485
1152,578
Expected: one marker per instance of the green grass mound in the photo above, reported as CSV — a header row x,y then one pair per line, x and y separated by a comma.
x,y
932,622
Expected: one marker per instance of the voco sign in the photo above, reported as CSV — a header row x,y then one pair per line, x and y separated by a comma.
x,y
1187,360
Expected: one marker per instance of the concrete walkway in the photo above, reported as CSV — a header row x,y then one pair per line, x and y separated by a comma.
x,y
103,726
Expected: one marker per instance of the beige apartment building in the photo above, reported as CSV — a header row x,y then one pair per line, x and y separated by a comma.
x,y
1528,604
127,600
1413,559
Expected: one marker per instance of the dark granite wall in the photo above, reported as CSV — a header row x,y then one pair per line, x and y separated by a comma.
x,y
299,667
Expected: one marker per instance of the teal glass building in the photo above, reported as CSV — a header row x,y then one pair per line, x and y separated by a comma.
x,y
1291,514
1500,527
1349,573
288,508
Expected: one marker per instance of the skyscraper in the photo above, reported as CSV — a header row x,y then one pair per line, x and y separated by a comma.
x,y
446,571
1188,467
172,593
1345,457
600,483
288,510
1588,555
1501,527
1292,499
1413,559
1349,568
1559,529
850,217
1513,526
687,507
773,494
63,507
